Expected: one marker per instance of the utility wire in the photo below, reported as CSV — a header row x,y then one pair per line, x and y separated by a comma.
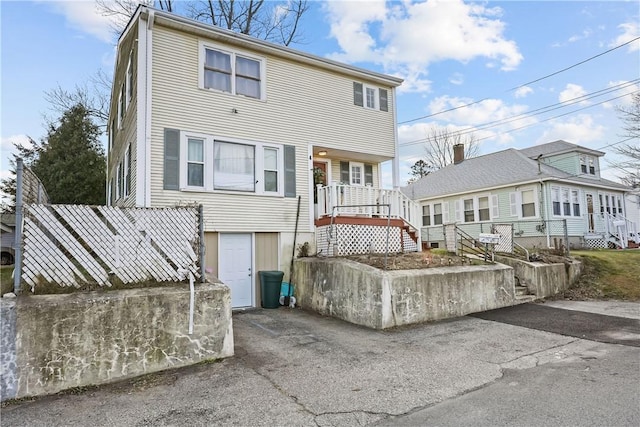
x,y
522,85
538,111
421,140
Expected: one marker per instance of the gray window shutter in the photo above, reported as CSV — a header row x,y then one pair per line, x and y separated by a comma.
x,y
384,102
171,159
358,98
368,174
289,171
344,173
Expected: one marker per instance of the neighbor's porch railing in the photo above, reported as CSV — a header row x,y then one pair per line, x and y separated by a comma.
x,y
400,206
620,227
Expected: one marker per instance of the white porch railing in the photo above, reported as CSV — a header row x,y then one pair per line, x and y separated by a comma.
x,y
401,207
620,227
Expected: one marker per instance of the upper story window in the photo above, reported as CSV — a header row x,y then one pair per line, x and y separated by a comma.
x,y
370,97
356,173
121,106
129,79
587,164
232,72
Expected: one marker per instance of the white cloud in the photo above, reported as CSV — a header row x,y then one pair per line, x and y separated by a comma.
x,y
630,30
571,92
456,79
581,129
84,16
625,91
523,91
405,37
6,143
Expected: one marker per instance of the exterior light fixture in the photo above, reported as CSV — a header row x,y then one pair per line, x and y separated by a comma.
x,y
322,153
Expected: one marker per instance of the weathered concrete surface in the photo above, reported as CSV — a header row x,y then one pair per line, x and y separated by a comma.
x,y
72,340
379,299
8,367
442,293
543,280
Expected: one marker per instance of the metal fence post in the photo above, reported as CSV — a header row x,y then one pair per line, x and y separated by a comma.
x,y
566,236
17,245
202,246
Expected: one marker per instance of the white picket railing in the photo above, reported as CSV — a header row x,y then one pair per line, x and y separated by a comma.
x,y
74,245
620,227
370,200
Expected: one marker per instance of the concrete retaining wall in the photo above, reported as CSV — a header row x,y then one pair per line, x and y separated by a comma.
x,y
71,340
380,299
543,280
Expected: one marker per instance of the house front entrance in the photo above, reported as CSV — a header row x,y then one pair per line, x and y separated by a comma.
x,y
235,267
590,212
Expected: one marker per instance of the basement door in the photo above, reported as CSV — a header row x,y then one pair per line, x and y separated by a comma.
x,y
235,268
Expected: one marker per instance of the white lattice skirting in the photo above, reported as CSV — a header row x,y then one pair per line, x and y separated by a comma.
x,y
595,243
353,239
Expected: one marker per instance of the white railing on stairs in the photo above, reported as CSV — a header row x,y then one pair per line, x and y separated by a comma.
x,y
621,228
401,207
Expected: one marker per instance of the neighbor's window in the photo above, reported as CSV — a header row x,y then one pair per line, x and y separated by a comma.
x,y
234,166
566,205
232,73
483,209
426,216
575,200
437,214
370,97
469,213
528,203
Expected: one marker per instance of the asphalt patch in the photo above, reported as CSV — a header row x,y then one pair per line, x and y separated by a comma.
x,y
579,324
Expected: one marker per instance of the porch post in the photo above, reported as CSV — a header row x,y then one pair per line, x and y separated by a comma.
x,y
395,163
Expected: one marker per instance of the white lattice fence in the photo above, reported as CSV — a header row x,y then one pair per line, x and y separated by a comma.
x,y
71,245
354,239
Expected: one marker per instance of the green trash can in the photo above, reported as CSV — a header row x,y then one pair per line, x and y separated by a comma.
x,y
270,282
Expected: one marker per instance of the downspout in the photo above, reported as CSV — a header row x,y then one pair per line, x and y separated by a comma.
x,y
147,130
544,212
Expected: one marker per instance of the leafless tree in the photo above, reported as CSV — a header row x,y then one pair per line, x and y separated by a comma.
x,y
92,95
275,21
630,166
439,146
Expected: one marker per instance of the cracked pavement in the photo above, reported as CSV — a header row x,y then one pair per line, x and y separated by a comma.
x,y
292,367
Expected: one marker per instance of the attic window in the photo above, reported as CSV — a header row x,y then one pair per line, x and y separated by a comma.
x,y
587,164
370,97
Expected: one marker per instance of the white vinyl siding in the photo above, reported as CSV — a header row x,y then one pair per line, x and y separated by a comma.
x,y
288,118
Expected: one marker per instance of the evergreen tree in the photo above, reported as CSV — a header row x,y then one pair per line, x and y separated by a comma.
x,y
71,162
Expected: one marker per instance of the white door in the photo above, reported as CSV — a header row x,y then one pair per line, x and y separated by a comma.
x,y
234,268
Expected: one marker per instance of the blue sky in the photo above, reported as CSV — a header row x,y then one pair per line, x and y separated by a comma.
x,y
450,54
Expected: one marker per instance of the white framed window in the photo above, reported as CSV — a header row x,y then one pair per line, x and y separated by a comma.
x,y
231,72
126,171
371,97
129,80
434,214
356,173
587,164
524,203
121,106
611,204
195,162
565,202
211,164
118,181
478,208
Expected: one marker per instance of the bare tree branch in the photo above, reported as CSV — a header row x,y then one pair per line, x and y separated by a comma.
x,y
439,146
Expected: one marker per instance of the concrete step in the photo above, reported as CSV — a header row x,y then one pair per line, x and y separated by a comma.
x,y
521,299
522,291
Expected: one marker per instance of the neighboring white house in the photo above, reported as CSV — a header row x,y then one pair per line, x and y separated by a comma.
x,y
204,115
537,189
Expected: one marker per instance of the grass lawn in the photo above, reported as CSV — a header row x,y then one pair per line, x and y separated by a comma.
x,y
608,274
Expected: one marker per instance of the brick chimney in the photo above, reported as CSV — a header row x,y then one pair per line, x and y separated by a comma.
x,y
458,153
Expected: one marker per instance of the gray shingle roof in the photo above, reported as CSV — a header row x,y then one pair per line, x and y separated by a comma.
x,y
555,147
498,169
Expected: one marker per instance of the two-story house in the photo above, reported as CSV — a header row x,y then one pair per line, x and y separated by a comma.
x,y
538,190
204,115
